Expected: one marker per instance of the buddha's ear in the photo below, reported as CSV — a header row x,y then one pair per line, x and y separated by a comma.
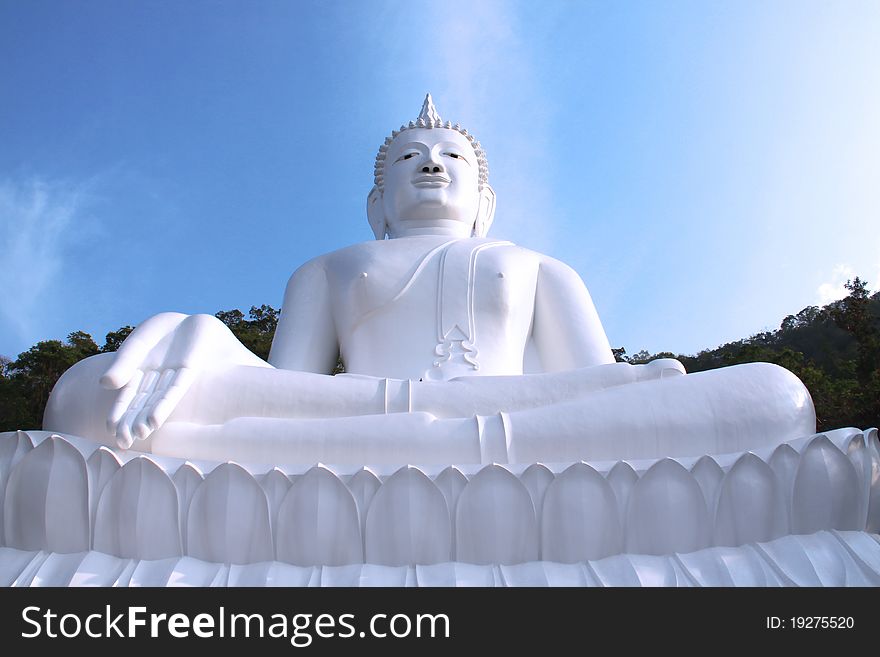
x,y
485,212
376,213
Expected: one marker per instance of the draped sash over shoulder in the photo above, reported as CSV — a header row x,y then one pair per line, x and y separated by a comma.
x,y
456,350
453,263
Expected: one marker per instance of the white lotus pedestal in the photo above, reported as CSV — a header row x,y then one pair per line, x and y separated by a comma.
x,y
805,513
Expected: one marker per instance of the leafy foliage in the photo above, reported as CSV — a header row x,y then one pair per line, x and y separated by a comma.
x,y
26,382
255,333
834,350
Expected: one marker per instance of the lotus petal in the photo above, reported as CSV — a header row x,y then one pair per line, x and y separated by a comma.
x,y
194,572
408,522
622,478
860,455
13,446
99,569
568,575
826,490
815,560
784,462
748,503
495,520
363,486
455,574
137,513
269,573
451,482
47,500
101,465
530,574
275,484
186,480
347,576
666,512
58,569
13,563
726,566
318,522
709,475
228,520
26,576
536,478
618,571
580,520
384,576
864,551
872,444
152,573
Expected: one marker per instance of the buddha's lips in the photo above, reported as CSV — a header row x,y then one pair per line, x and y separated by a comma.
x,y
431,181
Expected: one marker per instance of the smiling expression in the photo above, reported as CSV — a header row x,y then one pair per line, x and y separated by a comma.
x,y
431,174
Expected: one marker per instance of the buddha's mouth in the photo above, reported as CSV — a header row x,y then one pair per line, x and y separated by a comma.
x,y
431,181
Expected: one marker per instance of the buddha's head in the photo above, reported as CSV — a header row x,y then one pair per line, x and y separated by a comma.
x,y
431,178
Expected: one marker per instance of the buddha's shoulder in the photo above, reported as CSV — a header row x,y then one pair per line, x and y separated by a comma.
x,y
377,250
504,249
334,258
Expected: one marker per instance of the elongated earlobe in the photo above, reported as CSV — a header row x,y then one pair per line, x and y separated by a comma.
x,y
485,212
376,213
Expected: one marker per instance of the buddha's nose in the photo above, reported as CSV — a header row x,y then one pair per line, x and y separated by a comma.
x,y
432,166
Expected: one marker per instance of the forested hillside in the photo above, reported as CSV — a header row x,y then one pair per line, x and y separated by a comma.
x,y
835,350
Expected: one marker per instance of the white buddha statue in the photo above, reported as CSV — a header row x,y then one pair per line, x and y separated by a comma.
x,y
457,349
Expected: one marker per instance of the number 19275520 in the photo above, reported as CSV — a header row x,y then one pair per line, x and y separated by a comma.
x,y
810,623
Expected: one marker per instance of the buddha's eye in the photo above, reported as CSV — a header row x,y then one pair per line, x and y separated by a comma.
x,y
456,156
406,156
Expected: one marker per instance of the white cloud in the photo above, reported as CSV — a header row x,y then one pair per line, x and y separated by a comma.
x,y
834,289
39,221
488,73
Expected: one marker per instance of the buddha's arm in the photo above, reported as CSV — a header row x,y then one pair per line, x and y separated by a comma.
x,y
305,339
567,330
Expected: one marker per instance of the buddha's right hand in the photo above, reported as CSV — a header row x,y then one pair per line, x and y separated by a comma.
x,y
157,364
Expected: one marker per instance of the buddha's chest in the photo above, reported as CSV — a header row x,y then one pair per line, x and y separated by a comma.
x,y
462,292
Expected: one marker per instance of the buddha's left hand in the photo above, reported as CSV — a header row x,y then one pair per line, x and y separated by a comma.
x,y
158,363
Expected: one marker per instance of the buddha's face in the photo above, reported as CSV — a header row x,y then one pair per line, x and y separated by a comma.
x,y
431,181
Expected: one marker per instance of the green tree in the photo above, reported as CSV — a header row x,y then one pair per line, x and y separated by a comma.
x,y
854,315
14,408
114,339
34,373
255,333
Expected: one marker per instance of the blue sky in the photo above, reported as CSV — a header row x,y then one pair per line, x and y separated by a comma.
x,y
708,168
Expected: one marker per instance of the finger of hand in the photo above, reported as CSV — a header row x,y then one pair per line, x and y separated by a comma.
x,y
183,379
123,401
142,427
126,425
136,347
123,432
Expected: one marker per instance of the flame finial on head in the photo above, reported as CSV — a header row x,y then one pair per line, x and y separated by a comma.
x,y
430,118
429,114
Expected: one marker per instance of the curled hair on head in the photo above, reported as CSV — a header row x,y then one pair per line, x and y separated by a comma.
x,y
429,118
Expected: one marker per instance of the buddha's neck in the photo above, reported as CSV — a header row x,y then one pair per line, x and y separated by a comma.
x,y
440,227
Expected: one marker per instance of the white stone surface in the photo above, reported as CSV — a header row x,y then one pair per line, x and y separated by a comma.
x,y
424,515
